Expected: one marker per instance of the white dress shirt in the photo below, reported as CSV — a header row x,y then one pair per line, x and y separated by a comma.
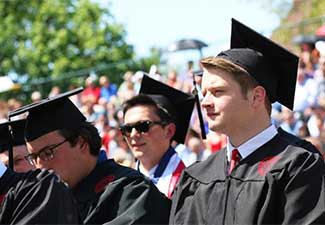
x,y
252,144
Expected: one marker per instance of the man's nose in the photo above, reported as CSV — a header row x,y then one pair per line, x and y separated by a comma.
x,y
206,101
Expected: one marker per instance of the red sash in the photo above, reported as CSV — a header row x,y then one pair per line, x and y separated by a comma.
x,y
175,177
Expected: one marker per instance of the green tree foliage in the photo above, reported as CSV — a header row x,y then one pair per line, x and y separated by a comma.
x,y
55,40
303,18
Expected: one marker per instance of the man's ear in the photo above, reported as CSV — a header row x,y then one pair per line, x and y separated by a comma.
x,y
171,130
82,143
258,96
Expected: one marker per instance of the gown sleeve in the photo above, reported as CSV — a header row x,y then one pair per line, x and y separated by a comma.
x,y
39,198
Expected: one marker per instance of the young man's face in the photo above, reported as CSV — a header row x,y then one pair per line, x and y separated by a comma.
x,y
225,106
147,144
55,152
20,163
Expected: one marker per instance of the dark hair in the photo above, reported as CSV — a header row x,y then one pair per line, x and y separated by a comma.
x,y
145,100
88,132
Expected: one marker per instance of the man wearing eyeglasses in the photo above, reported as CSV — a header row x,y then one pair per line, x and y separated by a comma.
x,y
20,164
34,197
59,138
152,120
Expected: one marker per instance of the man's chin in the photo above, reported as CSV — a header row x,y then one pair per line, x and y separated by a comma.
x,y
138,153
214,126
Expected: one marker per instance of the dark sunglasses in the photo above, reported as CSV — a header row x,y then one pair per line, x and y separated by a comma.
x,y
140,127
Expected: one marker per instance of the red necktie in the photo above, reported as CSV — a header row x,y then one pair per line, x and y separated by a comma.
x,y
235,157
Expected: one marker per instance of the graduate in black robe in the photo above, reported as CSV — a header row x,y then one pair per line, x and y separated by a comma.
x,y
280,183
106,193
119,195
34,197
264,175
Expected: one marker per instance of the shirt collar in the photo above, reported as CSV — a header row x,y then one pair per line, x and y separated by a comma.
x,y
3,168
254,143
150,173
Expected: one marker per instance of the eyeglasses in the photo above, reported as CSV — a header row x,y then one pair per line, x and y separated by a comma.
x,y
46,153
141,127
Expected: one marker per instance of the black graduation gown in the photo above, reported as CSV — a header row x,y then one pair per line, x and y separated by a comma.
x,y
36,197
280,183
113,194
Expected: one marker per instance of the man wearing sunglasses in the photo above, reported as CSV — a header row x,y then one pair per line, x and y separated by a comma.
x,y
152,120
59,137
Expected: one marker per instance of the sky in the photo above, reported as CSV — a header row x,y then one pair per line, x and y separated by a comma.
x,y
161,22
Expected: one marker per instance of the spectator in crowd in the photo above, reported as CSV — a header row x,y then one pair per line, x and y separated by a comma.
x,y
3,111
13,104
306,91
193,150
107,89
152,120
172,80
91,92
198,151
315,122
289,123
136,79
20,164
88,110
105,191
187,74
126,89
54,91
265,175
127,78
36,96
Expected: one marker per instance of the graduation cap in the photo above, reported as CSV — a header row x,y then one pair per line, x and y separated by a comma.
x,y
271,65
178,104
51,114
11,134
17,137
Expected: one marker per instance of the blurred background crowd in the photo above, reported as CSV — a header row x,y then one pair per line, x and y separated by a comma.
x,y
102,99
56,50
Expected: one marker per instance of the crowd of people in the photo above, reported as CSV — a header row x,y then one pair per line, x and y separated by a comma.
x,y
255,165
101,103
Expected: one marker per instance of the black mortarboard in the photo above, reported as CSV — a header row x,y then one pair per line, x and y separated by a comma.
x,y
271,65
51,114
17,138
177,103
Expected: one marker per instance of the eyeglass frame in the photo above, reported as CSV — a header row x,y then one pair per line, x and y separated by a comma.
x,y
47,151
133,126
